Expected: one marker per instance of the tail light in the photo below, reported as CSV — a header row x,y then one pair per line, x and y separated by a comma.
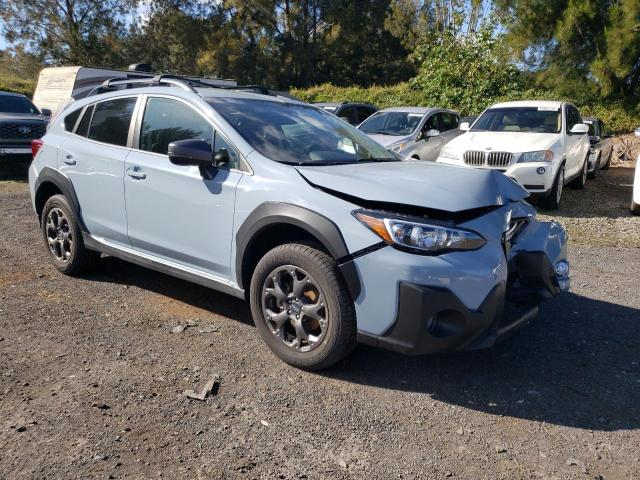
x,y
36,145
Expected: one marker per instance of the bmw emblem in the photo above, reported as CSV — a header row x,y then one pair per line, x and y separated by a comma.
x,y
24,129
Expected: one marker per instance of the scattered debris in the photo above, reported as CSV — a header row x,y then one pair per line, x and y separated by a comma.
x,y
98,458
207,390
208,329
501,449
264,422
20,428
577,463
178,329
101,406
460,431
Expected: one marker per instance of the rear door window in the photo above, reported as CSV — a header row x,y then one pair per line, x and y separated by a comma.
x,y
364,113
348,114
71,119
447,121
111,120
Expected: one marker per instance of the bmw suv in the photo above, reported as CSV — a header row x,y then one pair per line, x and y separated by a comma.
x,y
329,236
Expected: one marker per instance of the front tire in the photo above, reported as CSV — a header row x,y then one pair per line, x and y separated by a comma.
x,y
301,307
594,174
63,239
552,201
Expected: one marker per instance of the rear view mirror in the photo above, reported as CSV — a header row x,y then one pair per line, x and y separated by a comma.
x,y
579,129
221,158
464,126
638,132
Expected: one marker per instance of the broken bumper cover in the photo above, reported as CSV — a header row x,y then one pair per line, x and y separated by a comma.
x,y
433,320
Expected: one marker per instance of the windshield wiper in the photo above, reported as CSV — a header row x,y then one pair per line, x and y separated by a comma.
x,y
381,132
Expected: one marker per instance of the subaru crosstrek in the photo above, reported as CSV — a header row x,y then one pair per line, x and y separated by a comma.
x,y
331,237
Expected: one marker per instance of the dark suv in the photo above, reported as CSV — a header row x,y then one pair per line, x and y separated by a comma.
x,y
354,113
20,122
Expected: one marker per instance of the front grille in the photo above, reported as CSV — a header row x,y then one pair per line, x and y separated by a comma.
x,y
499,159
474,158
19,130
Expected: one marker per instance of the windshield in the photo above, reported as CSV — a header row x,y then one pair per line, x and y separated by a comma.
x,y
520,119
16,104
298,134
391,123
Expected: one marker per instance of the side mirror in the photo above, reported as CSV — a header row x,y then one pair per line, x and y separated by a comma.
x,y
221,158
579,129
190,152
595,140
432,133
464,126
638,132
46,112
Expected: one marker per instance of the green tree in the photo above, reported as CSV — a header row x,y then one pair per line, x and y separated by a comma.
x,y
586,46
83,32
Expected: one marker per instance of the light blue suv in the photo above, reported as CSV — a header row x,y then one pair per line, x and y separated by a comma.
x,y
331,238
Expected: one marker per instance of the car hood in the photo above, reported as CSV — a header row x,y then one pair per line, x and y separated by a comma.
x,y
22,117
387,140
421,184
514,142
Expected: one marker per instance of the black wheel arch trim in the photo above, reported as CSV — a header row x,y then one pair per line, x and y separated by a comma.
x,y
325,230
49,175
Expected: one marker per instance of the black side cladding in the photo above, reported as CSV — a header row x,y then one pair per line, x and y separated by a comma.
x,y
50,176
322,228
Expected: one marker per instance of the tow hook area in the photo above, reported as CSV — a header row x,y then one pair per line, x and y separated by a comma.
x,y
562,274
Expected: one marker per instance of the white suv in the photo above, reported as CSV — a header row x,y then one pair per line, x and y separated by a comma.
x,y
542,145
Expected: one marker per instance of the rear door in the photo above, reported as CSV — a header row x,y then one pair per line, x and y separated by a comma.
x,y
172,211
93,158
427,148
573,142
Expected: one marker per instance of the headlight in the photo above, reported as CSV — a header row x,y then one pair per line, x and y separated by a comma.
x,y
418,236
540,156
398,148
448,152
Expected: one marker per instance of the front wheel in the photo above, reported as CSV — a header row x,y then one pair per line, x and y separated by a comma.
x,y
301,307
552,201
594,174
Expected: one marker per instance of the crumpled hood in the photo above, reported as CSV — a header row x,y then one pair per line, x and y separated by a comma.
x,y
514,142
22,117
387,140
415,183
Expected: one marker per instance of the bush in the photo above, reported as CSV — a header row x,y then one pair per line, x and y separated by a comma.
x,y
16,85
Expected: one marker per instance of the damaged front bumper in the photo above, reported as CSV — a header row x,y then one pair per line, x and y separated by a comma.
x,y
436,318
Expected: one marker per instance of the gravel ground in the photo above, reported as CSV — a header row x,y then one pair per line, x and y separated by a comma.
x,y
92,377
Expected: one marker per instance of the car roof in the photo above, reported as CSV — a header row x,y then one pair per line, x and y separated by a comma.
x,y
12,94
415,109
590,119
529,103
327,104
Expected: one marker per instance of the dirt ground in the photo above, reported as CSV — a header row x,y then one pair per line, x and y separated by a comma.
x,y
92,376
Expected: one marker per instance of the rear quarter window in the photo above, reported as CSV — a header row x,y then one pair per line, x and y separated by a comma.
x,y
71,119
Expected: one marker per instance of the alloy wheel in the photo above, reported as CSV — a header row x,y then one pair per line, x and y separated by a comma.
x,y
294,308
59,235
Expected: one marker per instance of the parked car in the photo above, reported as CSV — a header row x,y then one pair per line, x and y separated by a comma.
x,y
413,132
635,200
20,122
331,237
351,112
601,146
542,145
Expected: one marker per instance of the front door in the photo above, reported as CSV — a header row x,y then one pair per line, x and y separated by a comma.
x,y
172,211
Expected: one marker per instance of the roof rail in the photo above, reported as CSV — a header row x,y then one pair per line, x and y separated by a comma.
x,y
185,83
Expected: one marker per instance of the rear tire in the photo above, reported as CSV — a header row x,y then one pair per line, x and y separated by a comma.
x,y
635,208
552,201
63,239
579,182
301,307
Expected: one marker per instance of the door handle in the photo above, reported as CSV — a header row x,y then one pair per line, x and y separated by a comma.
x,y
137,173
69,160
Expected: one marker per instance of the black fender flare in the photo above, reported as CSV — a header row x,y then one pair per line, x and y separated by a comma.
x,y
326,231
62,182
